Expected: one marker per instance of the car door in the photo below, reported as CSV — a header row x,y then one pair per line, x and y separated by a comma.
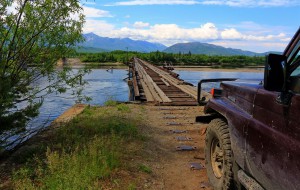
x,y
272,148
273,135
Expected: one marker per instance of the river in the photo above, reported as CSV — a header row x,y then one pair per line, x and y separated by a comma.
x,y
106,85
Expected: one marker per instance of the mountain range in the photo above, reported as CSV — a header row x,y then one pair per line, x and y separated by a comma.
x,y
109,44
94,43
207,49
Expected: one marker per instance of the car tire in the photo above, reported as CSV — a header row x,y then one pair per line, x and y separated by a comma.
x,y
218,155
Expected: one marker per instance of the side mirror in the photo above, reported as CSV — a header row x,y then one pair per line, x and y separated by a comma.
x,y
275,73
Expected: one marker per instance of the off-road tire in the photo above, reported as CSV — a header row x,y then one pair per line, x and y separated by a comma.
x,y
218,155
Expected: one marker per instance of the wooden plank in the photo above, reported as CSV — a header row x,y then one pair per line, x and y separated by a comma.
x,y
149,92
70,113
146,90
135,84
178,83
149,83
164,88
156,92
136,88
162,95
178,96
182,99
167,84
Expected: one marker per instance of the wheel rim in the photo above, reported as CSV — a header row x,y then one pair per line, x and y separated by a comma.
x,y
217,158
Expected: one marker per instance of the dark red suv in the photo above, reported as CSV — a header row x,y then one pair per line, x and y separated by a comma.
x,y
253,139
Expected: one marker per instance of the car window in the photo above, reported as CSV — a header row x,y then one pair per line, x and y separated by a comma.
x,y
291,57
296,72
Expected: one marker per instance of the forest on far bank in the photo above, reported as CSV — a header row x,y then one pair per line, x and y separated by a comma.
x,y
178,59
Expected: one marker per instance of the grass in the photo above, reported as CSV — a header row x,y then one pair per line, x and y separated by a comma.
x,y
145,168
111,102
108,64
84,153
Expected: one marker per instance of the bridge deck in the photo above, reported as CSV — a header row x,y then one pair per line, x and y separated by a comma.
x,y
153,84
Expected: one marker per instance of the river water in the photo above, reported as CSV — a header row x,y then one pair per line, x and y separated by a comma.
x,y
106,85
102,85
194,77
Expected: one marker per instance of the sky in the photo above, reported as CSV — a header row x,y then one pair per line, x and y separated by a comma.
x,y
254,25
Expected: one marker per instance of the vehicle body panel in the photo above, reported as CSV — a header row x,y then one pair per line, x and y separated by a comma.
x,y
272,150
264,134
264,125
236,106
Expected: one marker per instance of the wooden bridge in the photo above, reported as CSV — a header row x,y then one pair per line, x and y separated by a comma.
x,y
160,86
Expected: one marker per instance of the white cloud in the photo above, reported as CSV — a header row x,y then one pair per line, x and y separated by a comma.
x,y
170,34
232,3
259,47
231,34
140,25
154,2
252,3
99,27
95,13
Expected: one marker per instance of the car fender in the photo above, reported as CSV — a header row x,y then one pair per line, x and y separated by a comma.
x,y
237,120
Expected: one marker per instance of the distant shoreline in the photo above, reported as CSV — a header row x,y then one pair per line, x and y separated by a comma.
x,y
76,63
211,69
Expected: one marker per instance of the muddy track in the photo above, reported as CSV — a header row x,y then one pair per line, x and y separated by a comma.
x,y
171,166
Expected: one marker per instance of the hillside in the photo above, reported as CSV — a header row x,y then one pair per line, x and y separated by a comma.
x,y
208,49
90,50
94,41
94,44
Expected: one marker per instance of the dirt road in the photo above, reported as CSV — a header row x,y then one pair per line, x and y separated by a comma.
x,y
155,163
171,167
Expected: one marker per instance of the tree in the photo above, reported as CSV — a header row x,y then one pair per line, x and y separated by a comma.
x,y
34,34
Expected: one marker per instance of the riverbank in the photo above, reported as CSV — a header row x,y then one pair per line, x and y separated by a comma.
x,y
212,69
118,146
75,62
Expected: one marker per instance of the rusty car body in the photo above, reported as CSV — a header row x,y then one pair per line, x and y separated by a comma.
x,y
263,124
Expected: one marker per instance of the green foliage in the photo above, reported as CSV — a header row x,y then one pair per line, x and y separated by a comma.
x,y
32,38
132,187
78,169
110,103
82,153
90,50
123,108
106,57
176,59
145,169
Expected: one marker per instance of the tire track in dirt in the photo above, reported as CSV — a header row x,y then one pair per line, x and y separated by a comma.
x,y
172,168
